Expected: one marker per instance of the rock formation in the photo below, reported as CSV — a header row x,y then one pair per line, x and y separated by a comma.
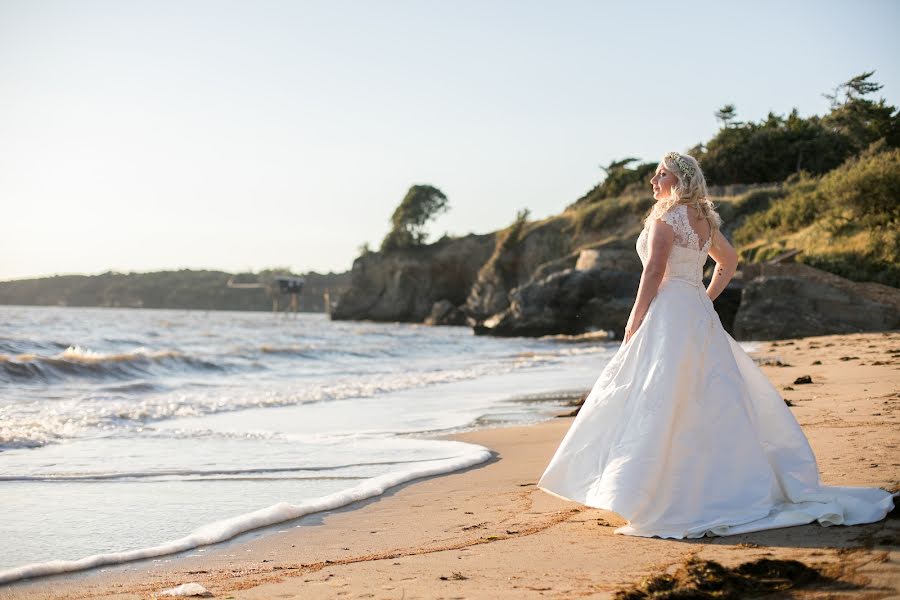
x,y
445,312
796,300
403,285
571,302
519,253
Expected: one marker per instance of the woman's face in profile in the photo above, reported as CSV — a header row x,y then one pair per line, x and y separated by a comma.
x,y
663,181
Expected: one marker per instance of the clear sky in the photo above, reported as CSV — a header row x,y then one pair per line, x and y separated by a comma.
x,y
140,135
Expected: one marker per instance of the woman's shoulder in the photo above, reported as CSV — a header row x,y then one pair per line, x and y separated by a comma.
x,y
675,215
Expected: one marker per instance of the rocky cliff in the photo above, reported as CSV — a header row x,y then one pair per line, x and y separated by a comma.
x,y
505,283
404,285
520,253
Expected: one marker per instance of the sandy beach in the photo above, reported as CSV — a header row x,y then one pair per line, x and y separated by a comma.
x,y
487,532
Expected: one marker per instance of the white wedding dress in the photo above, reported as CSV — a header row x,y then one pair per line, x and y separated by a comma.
x,y
684,436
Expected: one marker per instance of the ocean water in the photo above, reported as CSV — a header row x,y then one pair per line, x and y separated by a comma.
x,y
128,433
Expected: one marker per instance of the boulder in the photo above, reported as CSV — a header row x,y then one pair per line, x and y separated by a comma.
x,y
554,266
796,300
588,259
617,255
568,302
445,313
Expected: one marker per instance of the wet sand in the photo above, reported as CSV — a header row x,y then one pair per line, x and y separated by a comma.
x,y
487,532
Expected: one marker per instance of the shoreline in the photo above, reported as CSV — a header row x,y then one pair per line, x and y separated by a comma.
x,y
486,531
267,464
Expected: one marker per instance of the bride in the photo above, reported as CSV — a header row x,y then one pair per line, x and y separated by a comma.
x,y
682,434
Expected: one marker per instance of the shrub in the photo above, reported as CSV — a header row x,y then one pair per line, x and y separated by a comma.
x,y
846,222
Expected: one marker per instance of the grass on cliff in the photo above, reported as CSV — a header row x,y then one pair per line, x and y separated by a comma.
x,y
581,225
606,219
846,221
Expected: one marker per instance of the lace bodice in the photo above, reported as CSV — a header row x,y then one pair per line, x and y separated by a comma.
x,y
687,257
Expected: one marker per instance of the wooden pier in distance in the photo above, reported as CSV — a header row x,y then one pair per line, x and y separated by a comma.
x,y
277,287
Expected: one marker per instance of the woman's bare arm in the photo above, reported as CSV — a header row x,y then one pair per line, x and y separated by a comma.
x,y
660,239
726,264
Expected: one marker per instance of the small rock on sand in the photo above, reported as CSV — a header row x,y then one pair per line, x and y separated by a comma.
x,y
187,589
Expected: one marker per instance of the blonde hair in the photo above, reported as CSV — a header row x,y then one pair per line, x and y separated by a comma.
x,y
690,190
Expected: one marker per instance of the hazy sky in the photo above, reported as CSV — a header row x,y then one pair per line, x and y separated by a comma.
x,y
145,135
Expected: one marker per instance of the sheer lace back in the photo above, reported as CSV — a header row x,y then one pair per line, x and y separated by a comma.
x,y
688,256
685,236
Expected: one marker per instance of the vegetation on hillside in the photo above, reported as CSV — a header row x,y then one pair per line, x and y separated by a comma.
x,y
778,146
621,179
826,185
421,204
846,221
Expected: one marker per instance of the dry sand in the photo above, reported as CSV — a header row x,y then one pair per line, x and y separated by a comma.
x,y
487,532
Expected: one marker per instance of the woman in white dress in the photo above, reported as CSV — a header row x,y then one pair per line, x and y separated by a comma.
x,y
682,434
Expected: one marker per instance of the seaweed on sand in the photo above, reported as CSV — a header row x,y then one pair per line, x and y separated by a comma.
x,y
708,579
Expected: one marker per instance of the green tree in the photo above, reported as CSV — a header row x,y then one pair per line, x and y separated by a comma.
x,y
772,149
727,115
421,204
777,146
859,119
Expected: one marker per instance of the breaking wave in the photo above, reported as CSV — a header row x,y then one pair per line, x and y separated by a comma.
x,y
77,362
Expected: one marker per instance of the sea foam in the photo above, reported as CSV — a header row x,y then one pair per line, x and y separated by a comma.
x,y
226,529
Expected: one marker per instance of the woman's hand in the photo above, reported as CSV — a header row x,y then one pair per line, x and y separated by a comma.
x,y
632,326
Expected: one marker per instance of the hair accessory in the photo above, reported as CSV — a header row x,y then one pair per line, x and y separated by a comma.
x,y
686,169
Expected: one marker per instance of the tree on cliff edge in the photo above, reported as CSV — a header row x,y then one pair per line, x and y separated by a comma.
x,y
421,204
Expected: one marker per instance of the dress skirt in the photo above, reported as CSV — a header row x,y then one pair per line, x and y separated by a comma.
x,y
684,436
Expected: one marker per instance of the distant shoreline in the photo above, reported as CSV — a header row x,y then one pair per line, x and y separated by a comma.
x,y
178,290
